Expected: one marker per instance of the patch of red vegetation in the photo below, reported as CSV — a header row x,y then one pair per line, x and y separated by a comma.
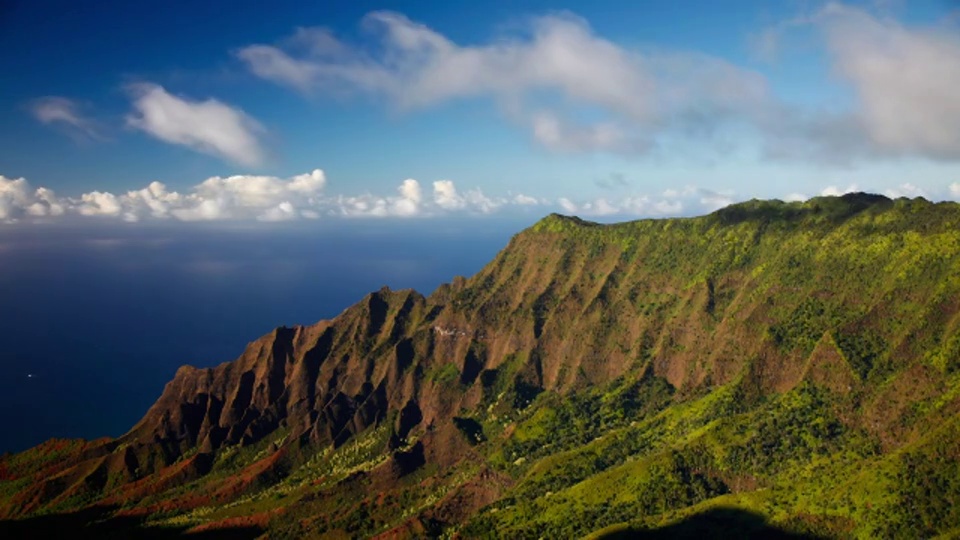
x,y
411,528
56,455
138,512
240,483
5,474
161,481
259,521
181,504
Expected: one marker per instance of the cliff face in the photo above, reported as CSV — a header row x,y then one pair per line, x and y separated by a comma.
x,y
857,296
324,382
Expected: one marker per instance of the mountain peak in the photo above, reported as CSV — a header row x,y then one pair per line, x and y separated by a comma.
x,y
555,222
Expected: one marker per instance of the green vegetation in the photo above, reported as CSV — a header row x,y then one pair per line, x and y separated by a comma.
x,y
771,368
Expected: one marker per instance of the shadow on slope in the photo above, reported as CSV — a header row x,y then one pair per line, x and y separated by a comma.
x,y
835,209
732,523
98,523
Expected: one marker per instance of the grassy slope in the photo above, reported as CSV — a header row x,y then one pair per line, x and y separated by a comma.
x,y
875,455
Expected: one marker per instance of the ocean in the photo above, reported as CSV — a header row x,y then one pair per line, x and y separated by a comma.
x,y
95,319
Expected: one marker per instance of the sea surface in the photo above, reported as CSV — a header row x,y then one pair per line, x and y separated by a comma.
x,y
95,319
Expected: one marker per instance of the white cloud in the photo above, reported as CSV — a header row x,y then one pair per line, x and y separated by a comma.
x,y
410,196
265,198
272,64
479,202
636,95
303,196
249,197
906,190
555,133
310,182
673,203
599,207
795,197
903,79
906,79
281,212
208,126
834,191
154,200
446,196
14,197
567,205
97,203
525,200
19,200
574,90
704,199
410,202
713,200
64,112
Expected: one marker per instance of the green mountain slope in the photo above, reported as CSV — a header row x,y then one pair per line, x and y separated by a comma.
x,y
769,369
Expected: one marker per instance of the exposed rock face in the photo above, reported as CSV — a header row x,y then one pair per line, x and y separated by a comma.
x,y
768,295
325,382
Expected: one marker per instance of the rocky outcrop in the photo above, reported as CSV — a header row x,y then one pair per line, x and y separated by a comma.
x,y
323,383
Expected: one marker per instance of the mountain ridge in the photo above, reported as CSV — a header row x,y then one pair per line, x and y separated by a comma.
x,y
844,308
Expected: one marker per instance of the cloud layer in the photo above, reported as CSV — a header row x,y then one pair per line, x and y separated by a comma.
x,y
576,91
208,126
303,196
247,197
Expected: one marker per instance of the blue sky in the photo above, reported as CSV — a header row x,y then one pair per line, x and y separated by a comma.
x,y
294,110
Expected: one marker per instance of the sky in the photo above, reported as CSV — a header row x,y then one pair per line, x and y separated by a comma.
x,y
248,111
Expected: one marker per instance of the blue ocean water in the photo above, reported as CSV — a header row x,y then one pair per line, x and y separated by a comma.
x,y
95,320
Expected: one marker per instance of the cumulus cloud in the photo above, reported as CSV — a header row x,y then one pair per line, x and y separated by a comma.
x,y
575,91
406,204
265,198
65,113
18,200
795,197
525,200
706,199
906,190
834,191
304,197
446,196
637,206
906,80
97,203
208,126
636,95
247,197
14,196
567,205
